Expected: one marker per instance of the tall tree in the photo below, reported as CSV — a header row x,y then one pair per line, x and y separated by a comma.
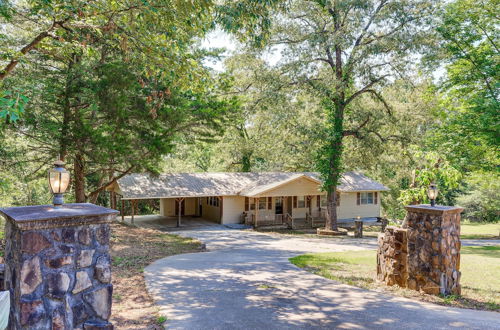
x,y
111,95
470,50
344,49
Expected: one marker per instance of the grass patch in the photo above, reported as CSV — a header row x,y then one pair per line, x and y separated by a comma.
x,y
479,266
161,319
480,230
468,230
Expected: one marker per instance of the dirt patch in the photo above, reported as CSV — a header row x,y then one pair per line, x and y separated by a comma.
x,y
132,249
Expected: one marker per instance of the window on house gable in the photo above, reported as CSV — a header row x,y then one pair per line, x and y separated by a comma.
x,y
366,198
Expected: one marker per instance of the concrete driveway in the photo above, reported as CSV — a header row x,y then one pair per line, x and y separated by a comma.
x,y
245,281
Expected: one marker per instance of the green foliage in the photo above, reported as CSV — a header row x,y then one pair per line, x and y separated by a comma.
x,y
432,168
115,89
470,44
12,105
480,199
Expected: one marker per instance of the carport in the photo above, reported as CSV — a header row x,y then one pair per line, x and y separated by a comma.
x,y
180,197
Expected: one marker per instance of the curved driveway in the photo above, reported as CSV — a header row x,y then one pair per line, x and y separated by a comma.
x,y
245,281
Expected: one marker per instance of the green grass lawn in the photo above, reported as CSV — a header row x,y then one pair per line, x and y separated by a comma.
x,y
475,230
480,267
469,230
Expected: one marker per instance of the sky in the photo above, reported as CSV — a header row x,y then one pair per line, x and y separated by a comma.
x,y
220,39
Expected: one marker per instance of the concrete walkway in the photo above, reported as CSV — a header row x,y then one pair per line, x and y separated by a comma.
x,y
245,281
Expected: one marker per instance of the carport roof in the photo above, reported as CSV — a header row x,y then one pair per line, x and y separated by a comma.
x,y
173,185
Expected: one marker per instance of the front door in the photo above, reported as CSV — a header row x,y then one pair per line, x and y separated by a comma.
x,y
278,205
177,207
289,205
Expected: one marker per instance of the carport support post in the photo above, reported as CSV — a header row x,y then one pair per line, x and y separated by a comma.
x,y
123,210
179,203
132,203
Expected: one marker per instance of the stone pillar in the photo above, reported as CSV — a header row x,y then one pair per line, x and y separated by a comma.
x,y
57,266
434,248
358,228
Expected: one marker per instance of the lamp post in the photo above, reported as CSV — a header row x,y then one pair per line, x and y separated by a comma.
x,y
58,182
432,192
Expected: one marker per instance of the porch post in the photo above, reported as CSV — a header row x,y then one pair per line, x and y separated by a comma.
x,y
179,206
310,205
132,203
256,201
123,210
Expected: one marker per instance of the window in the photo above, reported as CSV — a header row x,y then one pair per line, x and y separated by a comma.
x,y
278,202
262,203
213,201
366,198
301,201
324,201
252,204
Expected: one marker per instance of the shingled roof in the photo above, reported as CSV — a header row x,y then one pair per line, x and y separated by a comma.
x,y
145,186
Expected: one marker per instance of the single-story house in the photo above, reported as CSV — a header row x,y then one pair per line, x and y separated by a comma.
x,y
229,198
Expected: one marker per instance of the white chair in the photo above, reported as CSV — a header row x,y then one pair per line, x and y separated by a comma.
x,y
4,309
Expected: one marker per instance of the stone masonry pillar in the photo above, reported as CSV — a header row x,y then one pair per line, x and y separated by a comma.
x,y
434,248
57,266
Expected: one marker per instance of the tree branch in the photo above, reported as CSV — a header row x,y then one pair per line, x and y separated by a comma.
x,y
355,132
26,49
365,89
110,182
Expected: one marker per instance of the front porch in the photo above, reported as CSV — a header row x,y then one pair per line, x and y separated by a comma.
x,y
312,220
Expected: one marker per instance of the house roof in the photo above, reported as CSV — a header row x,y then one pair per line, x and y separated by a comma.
x,y
146,186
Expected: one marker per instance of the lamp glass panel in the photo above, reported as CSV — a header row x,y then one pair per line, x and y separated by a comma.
x,y
432,192
64,182
58,181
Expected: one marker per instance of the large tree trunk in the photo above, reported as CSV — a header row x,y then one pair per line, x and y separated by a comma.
x,y
336,136
335,168
331,217
79,170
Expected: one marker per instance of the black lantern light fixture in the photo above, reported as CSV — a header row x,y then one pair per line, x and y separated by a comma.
x,y
432,192
58,182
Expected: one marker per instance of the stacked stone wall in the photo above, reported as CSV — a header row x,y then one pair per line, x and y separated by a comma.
x,y
392,256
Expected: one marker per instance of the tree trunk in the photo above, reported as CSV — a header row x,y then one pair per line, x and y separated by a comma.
x,y
335,164
331,216
336,118
79,172
66,107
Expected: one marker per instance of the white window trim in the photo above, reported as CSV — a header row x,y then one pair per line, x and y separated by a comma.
x,y
365,196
